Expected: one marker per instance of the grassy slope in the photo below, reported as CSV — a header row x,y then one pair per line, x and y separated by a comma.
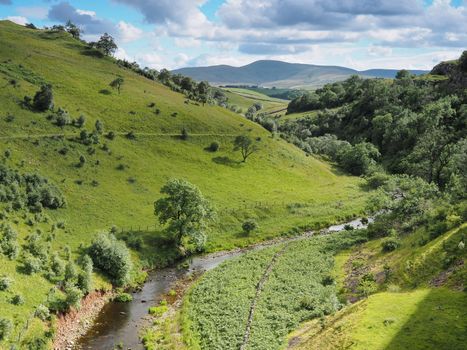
x,y
276,176
416,318
244,98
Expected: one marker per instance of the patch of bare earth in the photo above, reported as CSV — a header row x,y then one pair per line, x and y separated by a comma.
x,y
75,323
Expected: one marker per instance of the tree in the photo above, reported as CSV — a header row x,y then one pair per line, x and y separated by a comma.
x,y
71,28
107,44
463,61
44,99
403,74
186,212
358,159
245,145
112,257
117,84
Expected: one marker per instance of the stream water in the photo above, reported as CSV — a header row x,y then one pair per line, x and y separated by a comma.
x,y
120,323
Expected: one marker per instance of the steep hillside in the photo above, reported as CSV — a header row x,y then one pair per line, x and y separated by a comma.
x,y
421,303
113,178
281,74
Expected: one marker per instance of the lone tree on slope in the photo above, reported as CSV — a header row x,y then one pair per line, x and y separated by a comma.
x,y
117,84
107,44
186,212
245,145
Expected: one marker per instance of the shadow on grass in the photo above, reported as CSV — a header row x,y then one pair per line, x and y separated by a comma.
x,y
154,248
226,161
439,322
92,53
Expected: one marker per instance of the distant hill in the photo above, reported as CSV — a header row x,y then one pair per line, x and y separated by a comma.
x,y
281,74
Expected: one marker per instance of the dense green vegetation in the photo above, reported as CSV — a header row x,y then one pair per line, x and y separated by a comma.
x,y
412,125
79,158
299,286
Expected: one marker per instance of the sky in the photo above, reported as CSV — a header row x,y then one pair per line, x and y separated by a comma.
x,y
360,34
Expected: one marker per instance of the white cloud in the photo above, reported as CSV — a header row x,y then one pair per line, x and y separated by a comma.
x,y
18,19
86,12
128,32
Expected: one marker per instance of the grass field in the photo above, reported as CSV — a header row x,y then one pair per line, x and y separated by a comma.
x,y
419,319
244,98
278,186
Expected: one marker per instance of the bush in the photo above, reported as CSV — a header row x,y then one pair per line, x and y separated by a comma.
x,y
184,134
80,121
111,135
17,300
249,225
5,283
367,287
84,282
463,61
42,312
9,243
73,296
43,99
390,244
112,257
213,147
31,264
123,298
5,328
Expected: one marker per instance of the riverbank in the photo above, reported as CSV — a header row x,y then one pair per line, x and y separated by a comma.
x,y
122,323
75,323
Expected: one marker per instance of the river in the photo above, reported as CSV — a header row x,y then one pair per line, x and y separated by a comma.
x,y
120,323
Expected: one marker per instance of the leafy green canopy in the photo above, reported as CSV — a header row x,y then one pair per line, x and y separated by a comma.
x,y
186,212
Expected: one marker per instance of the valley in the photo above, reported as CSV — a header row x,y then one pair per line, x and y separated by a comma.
x,y
262,207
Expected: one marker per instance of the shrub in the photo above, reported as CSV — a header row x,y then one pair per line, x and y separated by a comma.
x,y
367,287
112,257
5,328
463,61
111,135
99,126
123,298
390,244
31,264
321,301
9,243
42,312
73,296
213,147
130,135
249,225
62,118
17,300
184,134
5,283
43,99
80,121
9,118
84,282
70,272
57,266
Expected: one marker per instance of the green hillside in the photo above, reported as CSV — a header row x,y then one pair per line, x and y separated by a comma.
x,y
420,304
117,180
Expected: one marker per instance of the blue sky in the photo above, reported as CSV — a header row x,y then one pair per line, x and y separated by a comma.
x,y
360,34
